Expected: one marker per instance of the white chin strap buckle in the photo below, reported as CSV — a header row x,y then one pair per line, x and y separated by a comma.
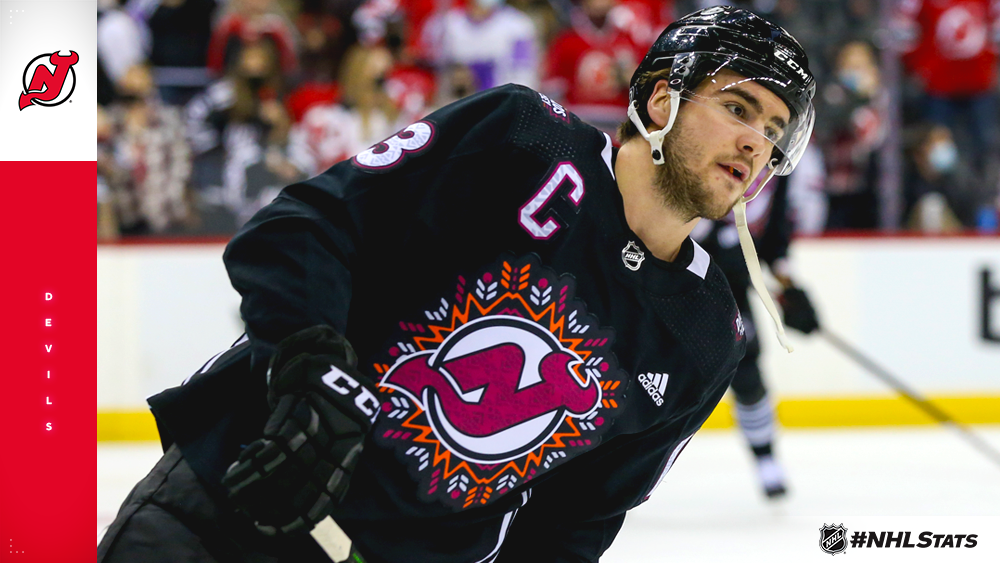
x,y
655,139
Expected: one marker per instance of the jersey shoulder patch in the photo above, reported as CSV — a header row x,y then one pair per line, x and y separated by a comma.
x,y
554,108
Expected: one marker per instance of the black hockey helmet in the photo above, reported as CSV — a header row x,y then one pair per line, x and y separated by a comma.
x,y
704,42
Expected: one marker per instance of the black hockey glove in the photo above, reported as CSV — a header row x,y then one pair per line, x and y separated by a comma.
x,y
322,407
798,310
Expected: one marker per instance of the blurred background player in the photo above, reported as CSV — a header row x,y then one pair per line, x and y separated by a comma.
x,y
771,218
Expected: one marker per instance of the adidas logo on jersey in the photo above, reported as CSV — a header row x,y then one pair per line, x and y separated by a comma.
x,y
655,384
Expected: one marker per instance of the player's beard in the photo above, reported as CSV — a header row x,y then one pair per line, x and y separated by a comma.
x,y
681,189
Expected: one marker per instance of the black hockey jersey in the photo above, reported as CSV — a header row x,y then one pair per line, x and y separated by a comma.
x,y
539,369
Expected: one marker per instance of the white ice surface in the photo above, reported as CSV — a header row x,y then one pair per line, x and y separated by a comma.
x,y
709,508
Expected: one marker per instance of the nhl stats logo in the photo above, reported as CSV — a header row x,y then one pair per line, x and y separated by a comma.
x,y
45,85
833,539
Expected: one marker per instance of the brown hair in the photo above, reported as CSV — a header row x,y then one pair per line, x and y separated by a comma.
x,y
644,86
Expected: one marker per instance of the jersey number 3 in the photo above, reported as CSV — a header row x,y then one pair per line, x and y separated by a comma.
x,y
391,152
565,174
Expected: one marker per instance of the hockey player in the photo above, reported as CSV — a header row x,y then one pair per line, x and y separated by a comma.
x,y
771,223
487,337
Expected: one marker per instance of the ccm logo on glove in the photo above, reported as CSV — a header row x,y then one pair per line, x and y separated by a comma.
x,y
346,385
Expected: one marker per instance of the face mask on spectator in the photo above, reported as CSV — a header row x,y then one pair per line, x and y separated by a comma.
x,y
850,79
943,156
393,41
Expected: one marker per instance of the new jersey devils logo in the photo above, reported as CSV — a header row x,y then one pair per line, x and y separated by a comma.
x,y
47,88
496,388
507,379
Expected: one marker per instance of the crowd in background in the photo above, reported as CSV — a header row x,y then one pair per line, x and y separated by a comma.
x,y
207,108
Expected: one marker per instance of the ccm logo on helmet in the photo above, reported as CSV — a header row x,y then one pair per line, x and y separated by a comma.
x,y
344,384
787,59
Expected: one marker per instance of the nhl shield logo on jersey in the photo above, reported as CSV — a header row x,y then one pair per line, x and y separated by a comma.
x,y
633,256
833,539
504,383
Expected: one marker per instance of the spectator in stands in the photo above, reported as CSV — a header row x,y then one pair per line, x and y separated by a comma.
x,y
383,90
178,32
854,130
107,219
363,75
643,19
247,22
239,132
498,43
589,64
410,81
320,61
327,134
940,192
121,40
951,47
460,81
145,160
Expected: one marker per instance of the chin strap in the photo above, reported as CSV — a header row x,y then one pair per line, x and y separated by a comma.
x,y
753,266
655,139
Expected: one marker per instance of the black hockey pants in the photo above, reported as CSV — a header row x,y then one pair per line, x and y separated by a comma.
x,y
169,517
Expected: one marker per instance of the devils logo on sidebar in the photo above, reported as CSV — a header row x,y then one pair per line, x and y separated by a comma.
x,y
47,88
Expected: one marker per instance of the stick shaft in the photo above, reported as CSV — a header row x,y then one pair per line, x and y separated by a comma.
x,y
911,395
334,541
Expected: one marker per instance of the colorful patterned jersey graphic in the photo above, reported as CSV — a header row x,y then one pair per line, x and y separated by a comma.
x,y
503,384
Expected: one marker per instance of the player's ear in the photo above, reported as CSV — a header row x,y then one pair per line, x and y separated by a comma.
x,y
658,106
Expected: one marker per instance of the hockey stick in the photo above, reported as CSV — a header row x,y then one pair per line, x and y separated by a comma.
x,y
923,404
335,542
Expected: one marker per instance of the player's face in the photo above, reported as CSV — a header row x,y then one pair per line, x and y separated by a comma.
x,y
719,144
